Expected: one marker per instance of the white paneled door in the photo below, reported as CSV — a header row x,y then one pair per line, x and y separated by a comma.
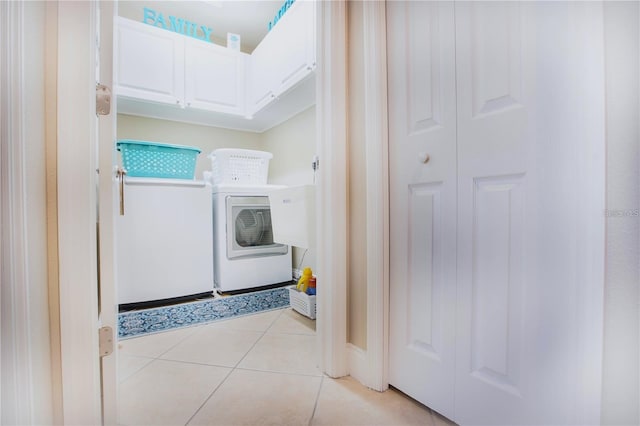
x,y
497,178
422,126
486,112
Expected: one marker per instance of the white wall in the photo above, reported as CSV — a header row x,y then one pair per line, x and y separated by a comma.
x,y
221,17
204,137
292,144
621,363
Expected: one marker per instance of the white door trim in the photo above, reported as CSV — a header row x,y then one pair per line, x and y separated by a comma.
x,y
77,213
77,201
377,187
331,198
26,369
15,360
108,315
370,365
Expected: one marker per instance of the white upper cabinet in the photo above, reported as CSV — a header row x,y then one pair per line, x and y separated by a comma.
x,y
156,68
150,63
161,66
214,78
285,56
261,78
294,47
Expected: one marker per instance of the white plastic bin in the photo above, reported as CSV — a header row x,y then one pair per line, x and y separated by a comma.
x,y
302,302
239,166
293,215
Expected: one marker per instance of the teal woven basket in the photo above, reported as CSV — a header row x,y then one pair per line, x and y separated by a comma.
x,y
158,160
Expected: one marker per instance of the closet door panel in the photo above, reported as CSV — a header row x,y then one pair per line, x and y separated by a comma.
x,y
497,281
492,113
493,177
424,299
494,109
518,107
495,57
422,197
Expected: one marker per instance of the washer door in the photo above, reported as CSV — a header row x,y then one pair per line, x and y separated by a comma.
x,y
249,231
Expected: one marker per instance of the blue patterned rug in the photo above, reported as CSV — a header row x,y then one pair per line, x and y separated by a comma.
x,y
135,323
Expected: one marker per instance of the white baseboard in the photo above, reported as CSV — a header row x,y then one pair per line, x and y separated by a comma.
x,y
358,366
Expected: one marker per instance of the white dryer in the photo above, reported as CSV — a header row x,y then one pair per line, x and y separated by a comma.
x,y
244,254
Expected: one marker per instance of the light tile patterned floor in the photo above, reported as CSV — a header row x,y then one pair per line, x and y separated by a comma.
x,y
254,370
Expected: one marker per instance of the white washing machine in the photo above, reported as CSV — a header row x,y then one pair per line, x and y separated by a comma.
x,y
164,244
244,254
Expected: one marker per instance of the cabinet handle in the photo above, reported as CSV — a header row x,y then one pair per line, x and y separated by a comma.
x,y
424,157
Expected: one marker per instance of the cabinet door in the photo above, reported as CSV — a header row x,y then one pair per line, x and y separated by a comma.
x,y
284,57
215,78
292,45
150,63
261,77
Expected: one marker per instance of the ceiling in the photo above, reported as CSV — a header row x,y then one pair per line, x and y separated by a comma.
x,y
248,18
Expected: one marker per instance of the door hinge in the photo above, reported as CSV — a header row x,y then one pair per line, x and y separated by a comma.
x,y
105,340
103,99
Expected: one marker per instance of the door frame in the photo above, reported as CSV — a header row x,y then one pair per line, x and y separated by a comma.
x,y
377,188
591,166
76,183
331,194
108,203
76,201
26,389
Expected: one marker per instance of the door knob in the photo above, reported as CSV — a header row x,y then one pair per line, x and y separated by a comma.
x,y
424,157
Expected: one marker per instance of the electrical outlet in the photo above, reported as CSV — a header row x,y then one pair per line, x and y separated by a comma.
x,y
296,273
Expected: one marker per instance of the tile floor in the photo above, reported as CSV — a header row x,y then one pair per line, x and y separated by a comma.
x,y
254,370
